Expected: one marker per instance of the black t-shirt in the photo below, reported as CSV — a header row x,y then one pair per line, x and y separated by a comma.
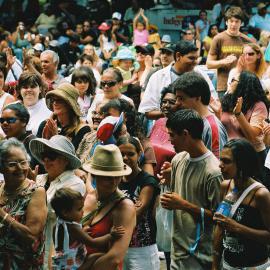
x,y
145,231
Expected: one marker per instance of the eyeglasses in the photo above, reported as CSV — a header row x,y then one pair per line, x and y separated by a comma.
x,y
49,155
108,83
250,53
9,120
24,164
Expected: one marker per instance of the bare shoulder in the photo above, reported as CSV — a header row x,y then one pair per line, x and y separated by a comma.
x,y
262,197
125,210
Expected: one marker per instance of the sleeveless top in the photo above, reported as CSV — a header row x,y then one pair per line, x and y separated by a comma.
x,y
3,100
72,255
240,251
16,254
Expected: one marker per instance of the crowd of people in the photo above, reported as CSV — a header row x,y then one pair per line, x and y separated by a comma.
x,y
118,144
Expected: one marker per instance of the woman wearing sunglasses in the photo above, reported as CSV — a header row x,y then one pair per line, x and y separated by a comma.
x,y
14,120
111,83
244,109
66,119
251,60
57,155
23,211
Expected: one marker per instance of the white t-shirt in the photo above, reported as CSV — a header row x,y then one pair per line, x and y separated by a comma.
x,y
38,113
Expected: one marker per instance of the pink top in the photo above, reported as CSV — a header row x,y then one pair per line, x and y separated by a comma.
x,y
160,140
140,37
255,117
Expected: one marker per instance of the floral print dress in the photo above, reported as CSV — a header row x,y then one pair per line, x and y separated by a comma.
x,y
15,253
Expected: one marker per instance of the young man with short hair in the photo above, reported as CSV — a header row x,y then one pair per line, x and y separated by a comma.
x,y
227,47
195,183
185,56
192,92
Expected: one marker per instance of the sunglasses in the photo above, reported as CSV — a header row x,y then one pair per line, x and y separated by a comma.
x,y
49,155
250,53
9,120
108,83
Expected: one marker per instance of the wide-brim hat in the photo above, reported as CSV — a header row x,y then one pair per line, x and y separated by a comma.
x,y
59,144
68,93
107,161
104,27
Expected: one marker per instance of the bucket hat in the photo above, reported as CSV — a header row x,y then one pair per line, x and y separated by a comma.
x,y
59,144
68,93
104,27
124,54
107,161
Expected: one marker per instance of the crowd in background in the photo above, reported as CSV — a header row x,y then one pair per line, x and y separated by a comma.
x,y
120,146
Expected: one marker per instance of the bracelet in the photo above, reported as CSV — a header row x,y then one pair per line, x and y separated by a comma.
x,y
237,114
4,218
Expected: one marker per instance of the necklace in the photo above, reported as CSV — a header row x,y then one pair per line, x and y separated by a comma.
x,y
115,196
6,196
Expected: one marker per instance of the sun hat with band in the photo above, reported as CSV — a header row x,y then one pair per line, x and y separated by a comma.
x,y
68,93
107,161
58,144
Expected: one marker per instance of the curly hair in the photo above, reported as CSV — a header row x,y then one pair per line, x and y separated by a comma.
x,y
250,89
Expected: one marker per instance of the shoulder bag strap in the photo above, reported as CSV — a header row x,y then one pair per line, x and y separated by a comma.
x,y
242,197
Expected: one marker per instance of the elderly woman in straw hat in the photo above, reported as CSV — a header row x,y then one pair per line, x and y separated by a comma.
x,y
66,119
57,155
108,206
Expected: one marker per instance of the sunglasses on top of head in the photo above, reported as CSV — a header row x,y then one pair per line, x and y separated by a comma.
x,y
108,83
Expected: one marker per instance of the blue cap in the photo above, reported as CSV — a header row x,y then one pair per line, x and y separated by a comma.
x,y
124,54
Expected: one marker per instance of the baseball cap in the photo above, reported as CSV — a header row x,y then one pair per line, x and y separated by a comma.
x,y
147,49
166,38
117,16
261,6
168,47
39,47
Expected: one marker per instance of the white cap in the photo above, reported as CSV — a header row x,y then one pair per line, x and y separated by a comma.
x,y
39,47
117,16
166,38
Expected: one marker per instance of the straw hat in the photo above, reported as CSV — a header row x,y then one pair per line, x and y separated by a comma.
x,y
68,93
107,161
59,144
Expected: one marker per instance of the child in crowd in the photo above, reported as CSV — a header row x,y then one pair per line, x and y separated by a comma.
x,y
69,235
140,29
124,63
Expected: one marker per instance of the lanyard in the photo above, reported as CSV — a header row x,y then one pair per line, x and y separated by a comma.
x,y
193,247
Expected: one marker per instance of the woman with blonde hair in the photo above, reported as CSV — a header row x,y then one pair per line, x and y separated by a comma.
x,y
252,60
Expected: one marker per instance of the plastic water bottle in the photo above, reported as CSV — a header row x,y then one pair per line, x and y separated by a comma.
x,y
225,206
